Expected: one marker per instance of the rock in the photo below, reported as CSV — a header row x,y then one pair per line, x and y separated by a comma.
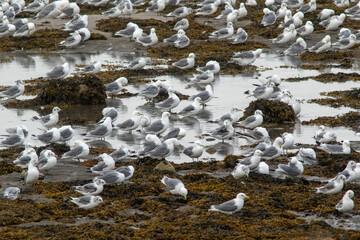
x,y
165,166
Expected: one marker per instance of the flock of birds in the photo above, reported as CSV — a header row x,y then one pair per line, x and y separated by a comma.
x,y
157,146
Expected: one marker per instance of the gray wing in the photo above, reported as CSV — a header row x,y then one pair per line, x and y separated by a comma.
x,y
124,170
181,63
225,117
291,169
242,37
46,10
23,29
340,204
345,41
145,39
12,139
226,12
133,63
99,131
206,8
45,118
89,188
257,135
296,48
66,133
202,77
99,167
178,11
249,120
318,45
56,72
188,151
301,29
329,186
155,126
68,11
269,18
23,160
187,109
223,31
118,154
259,90
172,134
228,206
42,161
11,91
333,148
345,173
109,177
89,68
247,54
74,152
127,31
154,7
281,36
208,67
70,40
85,200
171,183
166,103
128,123
246,161
269,152
33,5
160,151
221,131
46,137
148,146
172,39
112,86
77,24
304,8
150,90
180,23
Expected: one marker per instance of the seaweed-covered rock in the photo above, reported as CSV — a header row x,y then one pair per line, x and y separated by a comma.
x,y
86,90
350,119
274,111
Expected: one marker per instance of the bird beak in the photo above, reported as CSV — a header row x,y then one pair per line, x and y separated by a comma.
x,y
262,153
247,197
280,146
185,197
171,116
247,175
56,156
141,113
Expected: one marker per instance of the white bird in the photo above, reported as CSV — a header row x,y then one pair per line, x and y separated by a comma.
x,y
289,34
87,202
346,204
325,14
223,32
253,161
263,91
157,6
14,91
16,139
353,10
94,188
334,186
204,78
109,112
289,141
192,109
253,121
28,155
159,126
69,11
175,36
116,86
108,163
50,120
306,30
102,130
51,136
263,168
84,34
226,131
71,41
344,148
92,68
231,206
77,23
228,9
293,169
307,156
341,3
52,10
344,33
182,42
7,30
185,63
323,136
139,63
111,177
274,151
205,95
32,173
269,17
151,91
47,161
171,102
208,9
128,31
247,57
213,66
11,193
294,3
309,7
151,142
79,150
346,43
180,12
251,2
120,153
25,30
240,171
349,172
165,149
14,130
242,11
334,22
182,24
296,105
132,123
240,36
194,151
296,48
175,186
357,172
59,71
35,6
66,133
322,46
258,135
127,171
282,10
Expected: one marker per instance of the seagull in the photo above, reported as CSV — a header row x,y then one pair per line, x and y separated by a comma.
x,y
273,4
116,86
111,177
344,33
322,46
157,6
228,9
242,11
224,132
349,171
240,171
28,155
231,206
233,116
341,3
148,40
296,20
273,151
251,2
87,202
11,193
14,91
180,12
263,92
151,90
93,188
120,153
35,6
92,68
309,7
185,63
296,105
296,48
14,130
132,123
323,136
174,37
145,121
69,11
334,186
20,22
175,186
151,142
7,30
333,23
16,139
253,121
97,3
182,24
108,163
325,14
77,24
205,95
306,30
294,3
102,130
259,134
51,136
307,156
127,171
213,66
194,151
247,57
208,9
240,36
346,43
288,35
336,149
25,30
182,42
346,204
282,11
204,78
192,109
223,32
50,120
52,10
47,161
71,41
293,169
252,162
353,10
171,102
269,17
159,126
109,112
32,173
289,140
128,31
139,63
66,133
78,150
59,71
165,149
84,34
